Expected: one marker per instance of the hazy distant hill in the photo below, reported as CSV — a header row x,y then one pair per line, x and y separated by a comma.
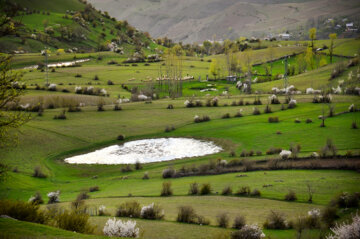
x,y
198,20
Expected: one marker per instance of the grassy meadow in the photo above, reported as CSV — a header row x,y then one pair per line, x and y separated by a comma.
x,y
44,142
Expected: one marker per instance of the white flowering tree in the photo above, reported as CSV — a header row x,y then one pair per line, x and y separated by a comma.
x,y
119,228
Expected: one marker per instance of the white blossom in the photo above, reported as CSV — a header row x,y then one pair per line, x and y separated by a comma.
x,y
103,92
119,228
314,212
54,196
285,154
142,97
351,107
52,86
347,231
309,91
186,102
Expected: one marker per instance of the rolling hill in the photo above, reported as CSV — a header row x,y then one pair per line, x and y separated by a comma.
x,y
197,20
29,26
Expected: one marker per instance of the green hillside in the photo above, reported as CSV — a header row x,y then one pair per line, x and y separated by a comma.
x,y
71,24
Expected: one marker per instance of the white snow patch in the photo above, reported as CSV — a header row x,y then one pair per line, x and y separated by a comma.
x,y
147,151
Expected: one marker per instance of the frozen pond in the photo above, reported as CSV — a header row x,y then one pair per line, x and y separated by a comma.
x,y
147,151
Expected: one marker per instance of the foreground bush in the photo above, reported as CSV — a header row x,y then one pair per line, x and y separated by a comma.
x,y
129,209
24,211
347,231
275,220
119,228
248,232
152,212
74,221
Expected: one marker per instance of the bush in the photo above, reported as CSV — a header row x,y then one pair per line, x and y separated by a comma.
x,y
102,211
239,114
170,107
243,191
194,188
186,214
126,168
222,220
346,200
119,228
226,191
248,232
256,111
258,153
61,116
273,119
297,121
239,222
354,125
78,75
226,116
169,129
82,196
255,193
290,196
275,220
24,211
205,189
168,173
117,107
328,216
152,212
198,119
38,173
146,176
267,109
129,209
54,197
121,137
96,77
110,82
74,108
138,165
313,219
273,150
347,231
36,199
94,189
166,189
100,106
308,121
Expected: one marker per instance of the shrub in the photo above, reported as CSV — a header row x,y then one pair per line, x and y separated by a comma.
x,y
239,222
194,188
169,128
244,153
239,113
170,107
198,119
138,165
119,228
82,196
248,232
110,82
226,116
152,212
329,148
354,125
126,168
129,209
102,211
117,107
222,220
308,121
166,189
121,137
275,220
258,153
232,153
256,111
257,101
313,219
94,189
346,200
96,77
292,104
255,193
74,108
38,173
328,216
274,100
273,150
24,211
273,119
297,121
54,197
186,214
100,106
168,173
146,176
243,191
290,196
205,189
61,116
267,109
226,191
36,199
347,231
78,75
